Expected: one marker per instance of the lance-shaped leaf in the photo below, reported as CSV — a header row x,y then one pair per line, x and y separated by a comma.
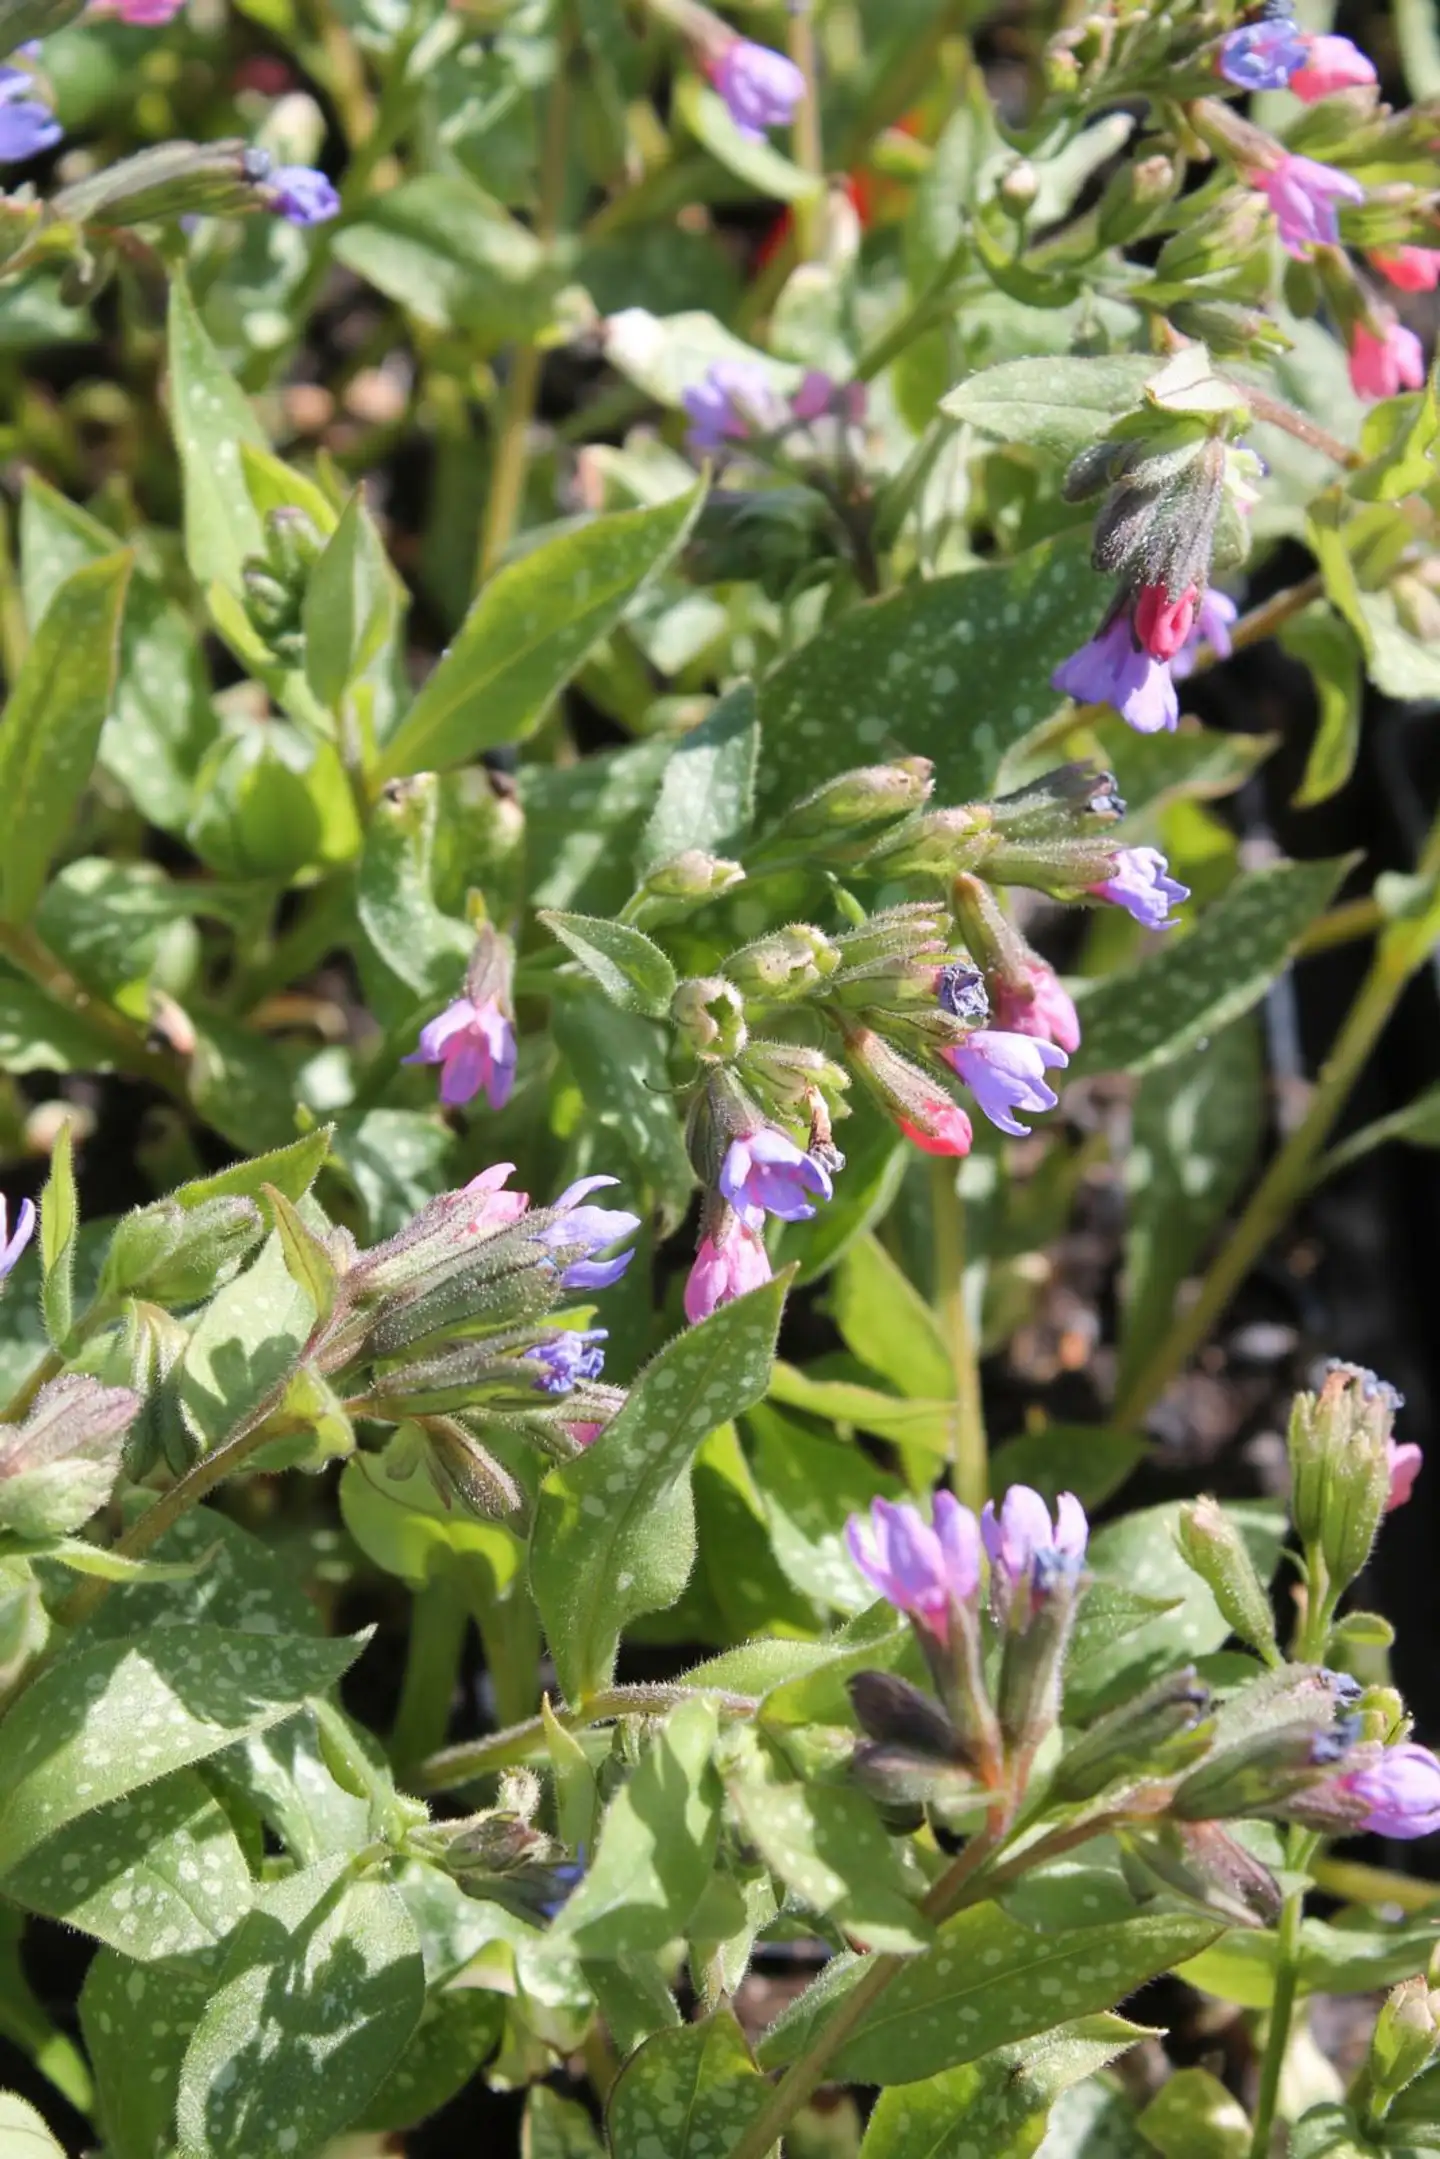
x,y
614,1529
707,791
1057,405
137,2024
213,420
349,602
631,969
688,2093
1000,2104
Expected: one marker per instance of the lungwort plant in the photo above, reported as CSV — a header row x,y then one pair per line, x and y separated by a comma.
x,y
599,596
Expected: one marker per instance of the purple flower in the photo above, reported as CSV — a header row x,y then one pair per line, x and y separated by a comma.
x,y
734,401
1141,883
820,394
1303,195
302,195
567,1357
1262,55
26,126
920,1569
1113,670
1401,1792
584,1231
12,1247
474,1046
765,1172
1213,619
761,88
1006,1072
1022,1544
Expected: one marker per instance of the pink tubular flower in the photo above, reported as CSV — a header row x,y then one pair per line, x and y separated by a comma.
x,y
1405,1460
1045,1010
1384,366
11,1247
1112,670
726,1266
1401,1792
1331,64
1303,195
474,1046
946,1130
1143,886
1214,620
1410,269
584,1435
765,1172
919,1569
139,14
760,88
820,394
1162,624
1006,1072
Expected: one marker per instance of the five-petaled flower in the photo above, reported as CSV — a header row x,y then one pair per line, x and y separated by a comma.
x,y
474,1046
1400,1791
729,1262
761,88
1006,1072
1141,883
765,1172
565,1358
921,1568
1303,195
1115,669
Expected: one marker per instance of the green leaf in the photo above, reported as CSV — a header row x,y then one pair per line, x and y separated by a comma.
x,y
249,1337
1178,996
156,1874
38,1035
985,1983
1195,1133
556,2128
1084,1459
531,628
1402,439
349,604
656,1848
757,163
1327,646
619,1063
1418,1124
137,2024
307,1260
688,2093
212,420
23,2134
319,1992
810,1485
826,1844
51,725
395,894
1358,1955
614,1531
1139,1556
457,2032
215,1571
1060,406
954,668
707,793
584,824
631,969
110,1719
888,1416
1399,663
59,1221
454,257
291,1170
887,1324
1192,2116
25,2024
999,2105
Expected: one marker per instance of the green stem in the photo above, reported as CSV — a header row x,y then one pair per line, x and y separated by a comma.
x,y
1282,2010
969,1451
805,134
438,1619
523,1742
127,1045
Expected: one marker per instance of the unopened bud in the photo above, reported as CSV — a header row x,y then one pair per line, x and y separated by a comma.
x,y
1032,1669
919,1104
1203,1863
1072,802
939,844
709,1014
172,180
1261,1770
1405,2041
1019,185
174,1255
61,1464
893,1712
1340,1468
464,1472
675,888
1132,199
787,1077
1157,1734
769,535
789,962
1214,1547
869,796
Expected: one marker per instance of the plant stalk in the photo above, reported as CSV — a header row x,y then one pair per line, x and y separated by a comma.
x,y
969,1451
522,1742
438,1620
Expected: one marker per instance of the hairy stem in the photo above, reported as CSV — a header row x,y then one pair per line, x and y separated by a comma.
x,y
1277,2030
969,1453
805,134
522,1742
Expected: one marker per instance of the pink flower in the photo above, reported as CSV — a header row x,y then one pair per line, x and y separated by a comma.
x,y
1044,1009
495,1208
946,1129
1331,64
820,394
725,1268
1303,195
1404,1463
584,1435
474,1046
1384,366
919,1569
1214,619
1162,624
1411,269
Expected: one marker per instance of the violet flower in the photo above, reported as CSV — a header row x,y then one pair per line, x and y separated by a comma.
x,y
585,1231
726,1267
765,1172
1141,883
1303,196
1112,670
1006,1072
474,1046
26,125
565,1358
1331,64
1401,1792
760,88
920,1569
11,1247
1041,1007
734,401
1214,618
302,195
1262,55
1026,1552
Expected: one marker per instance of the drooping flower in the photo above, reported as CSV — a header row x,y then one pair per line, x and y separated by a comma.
x,y
1112,670
474,1046
765,1172
494,1208
1006,1072
1410,269
734,401
582,1232
11,1246
1141,883
820,395
584,1433
564,1358
1383,366
918,1568
1401,1792
1330,64
1405,1459
946,1129
302,195
1214,619
27,127
1162,624
1262,55
727,1265
760,88
139,14
1021,1535
1046,1011
1303,195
